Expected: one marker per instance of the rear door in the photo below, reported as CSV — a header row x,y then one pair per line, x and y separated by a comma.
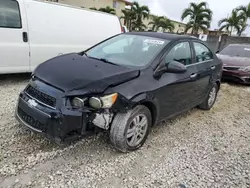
x,y
206,68
14,47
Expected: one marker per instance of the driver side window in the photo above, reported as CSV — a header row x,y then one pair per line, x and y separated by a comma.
x,y
181,53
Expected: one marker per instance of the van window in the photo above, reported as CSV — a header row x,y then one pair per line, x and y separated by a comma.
x,y
10,14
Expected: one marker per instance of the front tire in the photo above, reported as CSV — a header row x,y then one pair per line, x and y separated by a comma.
x,y
211,98
130,130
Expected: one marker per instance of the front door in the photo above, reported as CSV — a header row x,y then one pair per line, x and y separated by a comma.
x,y
14,47
177,90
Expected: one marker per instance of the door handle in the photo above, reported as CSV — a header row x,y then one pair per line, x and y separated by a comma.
x,y
193,75
213,67
25,37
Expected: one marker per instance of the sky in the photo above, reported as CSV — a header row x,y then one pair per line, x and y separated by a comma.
x,y
173,8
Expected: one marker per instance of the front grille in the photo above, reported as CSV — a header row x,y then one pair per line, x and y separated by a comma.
x,y
30,120
41,97
231,68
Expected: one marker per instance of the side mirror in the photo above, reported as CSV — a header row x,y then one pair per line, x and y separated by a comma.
x,y
217,51
175,67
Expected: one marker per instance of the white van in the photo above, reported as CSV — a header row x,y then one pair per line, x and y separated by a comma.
x,y
33,31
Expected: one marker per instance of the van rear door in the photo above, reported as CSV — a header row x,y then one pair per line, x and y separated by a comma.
x,y
14,45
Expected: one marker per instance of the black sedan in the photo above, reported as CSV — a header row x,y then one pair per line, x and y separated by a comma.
x,y
124,85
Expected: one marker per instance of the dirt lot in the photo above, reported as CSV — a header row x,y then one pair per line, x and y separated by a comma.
x,y
197,149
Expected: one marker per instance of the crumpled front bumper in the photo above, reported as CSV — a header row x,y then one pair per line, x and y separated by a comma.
x,y
58,124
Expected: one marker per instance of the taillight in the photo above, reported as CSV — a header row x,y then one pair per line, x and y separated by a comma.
x,y
122,29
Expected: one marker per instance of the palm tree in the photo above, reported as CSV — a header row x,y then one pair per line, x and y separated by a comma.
x,y
140,12
108,9
235,21
156,22
128,17
200,17
244,11
167,24
243,27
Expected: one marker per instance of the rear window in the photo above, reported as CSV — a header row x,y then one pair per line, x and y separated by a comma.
x,y
239,51
10,14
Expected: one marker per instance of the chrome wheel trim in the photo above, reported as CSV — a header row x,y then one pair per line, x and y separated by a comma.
x,y
137,130
212,96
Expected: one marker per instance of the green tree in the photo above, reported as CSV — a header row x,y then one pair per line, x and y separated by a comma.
x,y
156,22
128,17
140,13
243,26
167,25
93,8
199,15
235,21
244,11
108,9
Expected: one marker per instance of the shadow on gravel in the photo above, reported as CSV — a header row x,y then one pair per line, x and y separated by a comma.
x,y
14,77
232,83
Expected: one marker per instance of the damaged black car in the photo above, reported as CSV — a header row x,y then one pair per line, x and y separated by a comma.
x,y
124,85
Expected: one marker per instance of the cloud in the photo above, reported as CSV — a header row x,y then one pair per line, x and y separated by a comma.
x,y
173,8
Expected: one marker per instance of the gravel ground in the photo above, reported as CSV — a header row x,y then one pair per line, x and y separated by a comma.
x,y
196,149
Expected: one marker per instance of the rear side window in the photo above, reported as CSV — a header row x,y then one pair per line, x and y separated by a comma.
x,y
181,53
202,53
10,14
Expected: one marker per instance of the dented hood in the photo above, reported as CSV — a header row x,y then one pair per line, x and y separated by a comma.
x,y
74,72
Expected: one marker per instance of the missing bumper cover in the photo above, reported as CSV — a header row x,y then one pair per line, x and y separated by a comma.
x,y
103,120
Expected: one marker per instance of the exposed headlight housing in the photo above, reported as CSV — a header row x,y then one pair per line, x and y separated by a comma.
x,y
103,102
95,102
106,101
78,102
245,69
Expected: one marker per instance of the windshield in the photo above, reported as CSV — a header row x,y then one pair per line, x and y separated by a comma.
x,y
239,51
128,50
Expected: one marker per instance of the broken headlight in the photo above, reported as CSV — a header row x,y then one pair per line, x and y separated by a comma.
x,y
106,101
78,102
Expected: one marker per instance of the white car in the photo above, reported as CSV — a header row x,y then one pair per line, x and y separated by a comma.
x,y
33,31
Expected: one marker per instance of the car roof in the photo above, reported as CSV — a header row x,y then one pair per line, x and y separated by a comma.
x,y
166,36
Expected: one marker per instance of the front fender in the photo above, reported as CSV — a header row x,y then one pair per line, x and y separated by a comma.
x,y
150,102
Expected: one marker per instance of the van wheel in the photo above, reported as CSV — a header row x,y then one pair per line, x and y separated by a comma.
x,y
129,131
211,98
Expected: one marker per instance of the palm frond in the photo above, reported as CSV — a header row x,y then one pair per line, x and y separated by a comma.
x,y
226,26
224,20
186,12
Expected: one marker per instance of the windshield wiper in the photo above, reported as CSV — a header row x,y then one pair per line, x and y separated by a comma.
x,y
104,60
107,61
84,53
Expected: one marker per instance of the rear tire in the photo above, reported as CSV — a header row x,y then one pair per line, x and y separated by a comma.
x,y
211,98
130,130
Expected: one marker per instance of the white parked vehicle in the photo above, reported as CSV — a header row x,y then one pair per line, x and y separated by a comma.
x,y
33,31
